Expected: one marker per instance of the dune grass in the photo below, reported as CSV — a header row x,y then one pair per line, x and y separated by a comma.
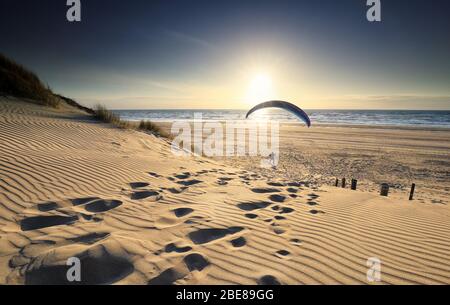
x,y
149,126
75,104
105,115
16,80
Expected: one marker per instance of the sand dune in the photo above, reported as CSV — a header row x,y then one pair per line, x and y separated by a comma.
x,y
135,214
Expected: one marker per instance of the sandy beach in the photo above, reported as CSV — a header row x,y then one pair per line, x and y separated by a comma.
x,y
373,155
395,155
134,213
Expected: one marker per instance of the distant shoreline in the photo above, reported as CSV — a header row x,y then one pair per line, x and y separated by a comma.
x,y
307,110
328,125
399,127
405,119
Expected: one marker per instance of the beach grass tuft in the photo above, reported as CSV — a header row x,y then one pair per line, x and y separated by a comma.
x,y
16,80
148,126
105,115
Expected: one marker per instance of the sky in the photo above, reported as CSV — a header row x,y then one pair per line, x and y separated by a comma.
x,y
194,54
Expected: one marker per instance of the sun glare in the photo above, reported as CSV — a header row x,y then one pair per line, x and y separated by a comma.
x,y
260,89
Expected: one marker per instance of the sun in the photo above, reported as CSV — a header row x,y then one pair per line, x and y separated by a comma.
x,y
260,89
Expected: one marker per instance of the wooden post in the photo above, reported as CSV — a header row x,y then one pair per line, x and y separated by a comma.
x,y
354,184
411,194
337,182
343,182
384,189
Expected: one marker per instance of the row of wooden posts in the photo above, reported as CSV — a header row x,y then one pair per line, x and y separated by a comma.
x,y
384,191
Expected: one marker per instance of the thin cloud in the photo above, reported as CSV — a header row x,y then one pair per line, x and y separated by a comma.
x,y
183,37
393,101
399,97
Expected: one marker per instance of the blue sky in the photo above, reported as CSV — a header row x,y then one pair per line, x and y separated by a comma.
x,y
227,54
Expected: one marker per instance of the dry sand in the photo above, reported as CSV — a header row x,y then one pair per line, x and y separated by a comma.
x,y
135,214
398,156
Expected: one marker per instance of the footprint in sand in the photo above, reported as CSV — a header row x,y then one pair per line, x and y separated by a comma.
x,y
265,190
99,266
167,277
275,184
176,190
223,180
189,182
293,195
48,206
192,262
148,195
102,205
137,185
195,261
183,175
193,220
90,204
296,241
277,198
285,210
245,177
90,238
181,212
156,175
278,230
95,218
313,196
292,190
253,205
314,212
81,201
204,236
41,222
282,253
238,242
268,280
173,218
173,248
251,215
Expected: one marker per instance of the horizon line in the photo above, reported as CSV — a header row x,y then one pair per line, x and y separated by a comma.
x,y
306,109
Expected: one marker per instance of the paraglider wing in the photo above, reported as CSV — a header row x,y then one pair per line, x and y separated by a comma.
x,y
283,105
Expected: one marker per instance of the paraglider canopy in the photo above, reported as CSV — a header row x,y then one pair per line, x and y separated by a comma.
x,y
283,105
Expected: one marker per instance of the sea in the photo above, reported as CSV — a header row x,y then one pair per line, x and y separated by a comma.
x,y
407,118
